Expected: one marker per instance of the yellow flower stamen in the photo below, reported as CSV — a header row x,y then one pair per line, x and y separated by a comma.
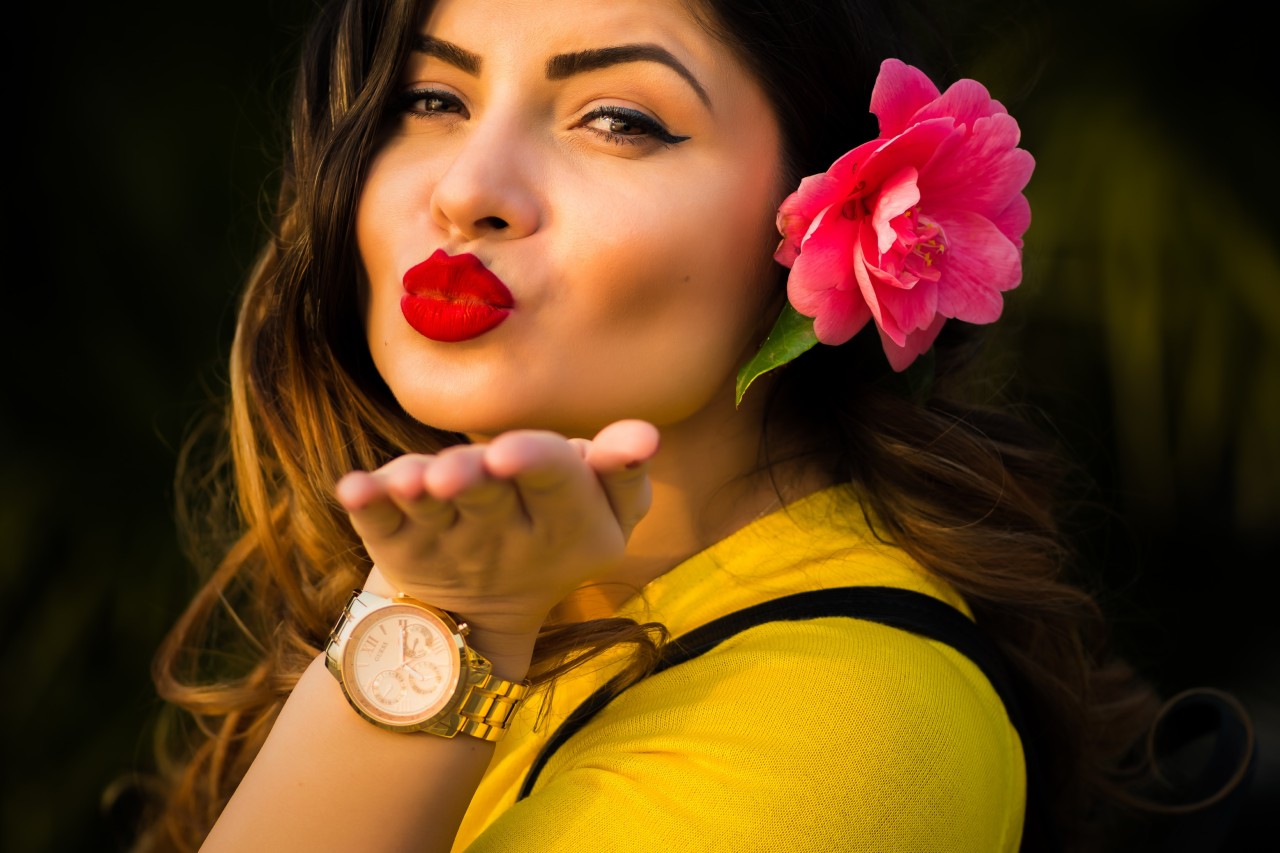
x,y
928,245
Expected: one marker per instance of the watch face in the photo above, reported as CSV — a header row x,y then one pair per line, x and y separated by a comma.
x,y
401,665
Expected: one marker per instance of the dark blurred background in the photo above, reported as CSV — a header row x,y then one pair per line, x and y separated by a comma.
x,y
141,154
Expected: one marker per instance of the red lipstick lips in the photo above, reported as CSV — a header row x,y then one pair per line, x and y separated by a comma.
x,y
453,298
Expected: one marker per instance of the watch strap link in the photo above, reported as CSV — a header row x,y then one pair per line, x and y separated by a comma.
x,y
333,643
490,704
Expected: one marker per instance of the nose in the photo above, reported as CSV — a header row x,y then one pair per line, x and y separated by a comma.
x,y
488,188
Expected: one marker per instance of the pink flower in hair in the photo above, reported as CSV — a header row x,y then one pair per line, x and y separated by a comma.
x,y
918,226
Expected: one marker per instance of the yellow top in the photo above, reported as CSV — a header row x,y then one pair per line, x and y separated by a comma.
x,y
819,735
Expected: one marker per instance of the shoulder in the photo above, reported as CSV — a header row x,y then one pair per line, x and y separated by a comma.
x,y
883,731
836,677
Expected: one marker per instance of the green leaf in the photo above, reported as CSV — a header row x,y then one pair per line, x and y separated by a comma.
x,y
791,335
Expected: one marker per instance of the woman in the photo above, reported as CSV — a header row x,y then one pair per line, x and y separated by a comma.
x,y
490,360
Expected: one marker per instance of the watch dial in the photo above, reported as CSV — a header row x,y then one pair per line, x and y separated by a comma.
x,y
401,664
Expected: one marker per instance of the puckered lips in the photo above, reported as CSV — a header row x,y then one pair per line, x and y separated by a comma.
x,y
453,298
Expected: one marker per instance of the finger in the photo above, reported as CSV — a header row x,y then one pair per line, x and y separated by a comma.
x,y
455,470
463,479
372,512
547,471
404,477
623,445
620,457
405,481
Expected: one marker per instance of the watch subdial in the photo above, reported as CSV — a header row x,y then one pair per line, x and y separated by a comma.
x,y
423,676
388,686
417,641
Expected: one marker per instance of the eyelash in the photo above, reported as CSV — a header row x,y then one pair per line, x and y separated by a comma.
x,y
632,117
406,100
652,129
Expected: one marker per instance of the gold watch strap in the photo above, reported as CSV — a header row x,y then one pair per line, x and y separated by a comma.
x,y
489,706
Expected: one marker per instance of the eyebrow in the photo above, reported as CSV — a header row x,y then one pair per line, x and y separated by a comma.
x,y
450,53
565,65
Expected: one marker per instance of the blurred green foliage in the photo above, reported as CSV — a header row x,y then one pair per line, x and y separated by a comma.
x,y
1147,329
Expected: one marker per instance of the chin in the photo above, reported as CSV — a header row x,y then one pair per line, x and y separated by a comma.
x,y
482,423
575,409
482,426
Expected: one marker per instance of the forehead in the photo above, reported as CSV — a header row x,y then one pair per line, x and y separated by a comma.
x,y
511,31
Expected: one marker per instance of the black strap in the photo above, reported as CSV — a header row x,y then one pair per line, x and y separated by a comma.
x,y
899,608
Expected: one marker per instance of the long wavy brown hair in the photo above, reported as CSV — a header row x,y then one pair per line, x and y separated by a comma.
x,y
970,489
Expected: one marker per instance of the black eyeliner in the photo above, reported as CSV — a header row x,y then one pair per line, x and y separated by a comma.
x,y
403,102
645,122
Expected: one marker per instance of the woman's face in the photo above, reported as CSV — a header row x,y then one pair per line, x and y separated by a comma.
x,y
617,169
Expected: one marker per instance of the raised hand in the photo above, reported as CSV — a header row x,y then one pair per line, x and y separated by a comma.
x,y
500,532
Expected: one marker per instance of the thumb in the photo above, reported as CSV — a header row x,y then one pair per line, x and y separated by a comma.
x,y
619,455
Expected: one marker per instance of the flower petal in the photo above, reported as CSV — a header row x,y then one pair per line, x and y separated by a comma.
x,y
981,172
816,193
820,285
901,356
899,93
1014,220
981,262
841,318
913,147
965,101
873,281
898,195
906,311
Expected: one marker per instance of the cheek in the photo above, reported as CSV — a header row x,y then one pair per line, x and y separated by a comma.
x,y
389,203
677,289
695,250
390,207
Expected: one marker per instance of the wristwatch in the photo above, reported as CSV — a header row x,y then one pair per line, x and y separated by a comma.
x,y
405,666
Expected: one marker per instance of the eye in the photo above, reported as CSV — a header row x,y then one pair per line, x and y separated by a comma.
x,y
426,103
625,126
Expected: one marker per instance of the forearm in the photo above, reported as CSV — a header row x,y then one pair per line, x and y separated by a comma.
x,y
328,780
496,534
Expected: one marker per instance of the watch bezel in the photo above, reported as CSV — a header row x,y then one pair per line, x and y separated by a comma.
x,y
450,690
481,704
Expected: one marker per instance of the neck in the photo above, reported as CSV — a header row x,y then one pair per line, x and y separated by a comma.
x,y
708,482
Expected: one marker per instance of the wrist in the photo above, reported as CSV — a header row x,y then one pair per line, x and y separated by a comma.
x,y
510,651
377,584
510,655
